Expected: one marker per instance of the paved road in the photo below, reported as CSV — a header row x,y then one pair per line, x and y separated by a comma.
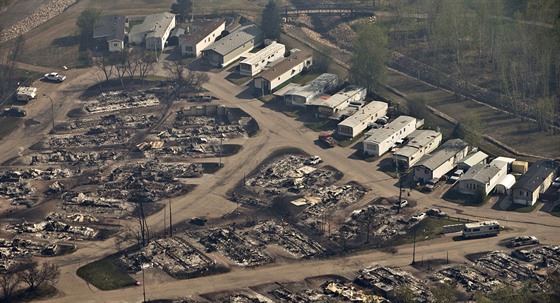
x,y
209,199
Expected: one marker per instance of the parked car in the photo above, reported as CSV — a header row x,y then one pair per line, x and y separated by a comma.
x,y
435,212
314,160
55,77
14,112
523,240
431,185
556,182
401,204
418,217
456,176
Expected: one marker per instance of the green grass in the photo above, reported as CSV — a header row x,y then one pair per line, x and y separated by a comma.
x,y
305,78
463,199
321,126
555,211
522,208
105,275
345,141
8,125
427,229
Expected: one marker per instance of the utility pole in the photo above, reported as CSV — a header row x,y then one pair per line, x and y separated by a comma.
x,y
143,284
164,220
52,110
221,145
170,222
414,248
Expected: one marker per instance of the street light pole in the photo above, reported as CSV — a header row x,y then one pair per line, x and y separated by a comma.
x,y
52,110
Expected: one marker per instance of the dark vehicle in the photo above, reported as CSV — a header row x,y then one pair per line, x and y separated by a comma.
x,y
431,185
328,139
14,112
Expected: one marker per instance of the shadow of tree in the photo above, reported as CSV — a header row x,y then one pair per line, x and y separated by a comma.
x,y
66,41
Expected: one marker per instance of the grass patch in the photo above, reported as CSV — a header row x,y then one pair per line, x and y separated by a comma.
x,y
463,199
555,211
305,78
237,79
105,275
345,141
8,125
523,208
321,126
427,229
292,112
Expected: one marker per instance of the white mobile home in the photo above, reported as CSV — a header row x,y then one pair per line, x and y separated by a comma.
x,y
421,142
256,62
301,96
482,177
279,73
382,140
233,46
153,31
339,101
203,34
441,161
358,122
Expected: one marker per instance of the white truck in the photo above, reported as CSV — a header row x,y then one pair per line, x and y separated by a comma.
x,y
26,93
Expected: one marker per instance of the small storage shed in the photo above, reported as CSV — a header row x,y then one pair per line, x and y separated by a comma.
x,y
504,186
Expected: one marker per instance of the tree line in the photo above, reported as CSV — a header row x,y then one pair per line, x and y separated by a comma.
x,y
515,43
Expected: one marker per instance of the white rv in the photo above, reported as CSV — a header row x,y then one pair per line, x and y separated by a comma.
x,y
26,93
481,229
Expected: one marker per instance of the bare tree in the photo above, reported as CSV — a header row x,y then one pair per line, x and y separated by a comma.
x,y
185,79
146,61
9,56
35,276
9,282
103,65
120,64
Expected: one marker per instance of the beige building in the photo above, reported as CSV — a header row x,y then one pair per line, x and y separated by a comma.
x,y
358,122
153,31
421,142
535,181
276,75
441,161
204,33
233,46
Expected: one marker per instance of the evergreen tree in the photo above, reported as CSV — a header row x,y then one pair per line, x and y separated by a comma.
x,y
270,21
367,64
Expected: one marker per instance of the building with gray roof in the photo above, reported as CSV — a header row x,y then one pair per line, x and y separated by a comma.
x,y
482,178
281,72
440,161
230,48
471,160
535,181
111,32
421,142
153,31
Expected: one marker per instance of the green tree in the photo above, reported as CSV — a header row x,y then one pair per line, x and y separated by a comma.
x,y
367,64
270,21
87,21
183,8
417,107
470,129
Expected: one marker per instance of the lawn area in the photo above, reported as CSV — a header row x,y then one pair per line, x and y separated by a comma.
x,y
321,126
522,208
105,275
427,229
468,200
345,141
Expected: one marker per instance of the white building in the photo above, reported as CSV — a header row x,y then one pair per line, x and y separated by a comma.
x,y
382,140
301,96
504,186
233,46
441,161
279,73
482,177
203,34
256,62
153,31
471,160
358,122
329,106
421,142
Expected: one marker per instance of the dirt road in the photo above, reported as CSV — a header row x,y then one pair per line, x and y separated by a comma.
x,y
209,199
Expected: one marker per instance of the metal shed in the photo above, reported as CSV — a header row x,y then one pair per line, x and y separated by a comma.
x,y
504,186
